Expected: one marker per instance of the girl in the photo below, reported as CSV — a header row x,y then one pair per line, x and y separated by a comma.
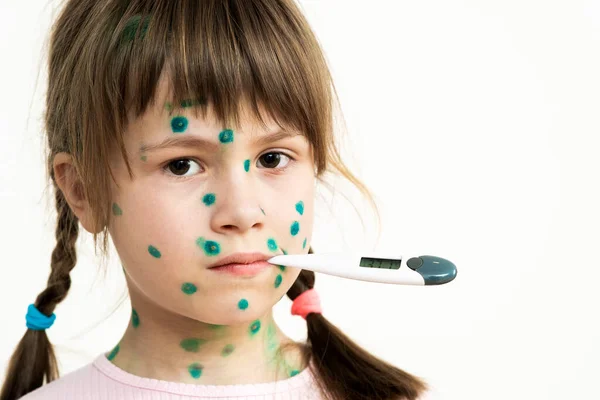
x,y
194,132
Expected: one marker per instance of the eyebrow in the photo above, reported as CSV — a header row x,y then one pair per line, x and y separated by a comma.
x,y
195,141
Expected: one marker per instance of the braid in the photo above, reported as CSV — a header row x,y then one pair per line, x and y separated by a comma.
x,y
34,358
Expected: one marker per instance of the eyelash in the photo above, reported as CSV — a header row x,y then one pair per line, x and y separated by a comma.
x,y
177,177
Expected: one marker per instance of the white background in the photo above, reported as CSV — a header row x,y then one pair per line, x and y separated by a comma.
x,y
476,124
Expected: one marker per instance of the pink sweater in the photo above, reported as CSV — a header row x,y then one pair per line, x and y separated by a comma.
x,y
102,380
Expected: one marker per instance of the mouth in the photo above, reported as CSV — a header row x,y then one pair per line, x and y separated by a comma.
x,y
242,264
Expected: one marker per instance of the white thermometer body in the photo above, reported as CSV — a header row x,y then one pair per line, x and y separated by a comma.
x,y
420,271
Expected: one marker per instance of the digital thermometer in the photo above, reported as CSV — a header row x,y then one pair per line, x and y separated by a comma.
x,y
420,271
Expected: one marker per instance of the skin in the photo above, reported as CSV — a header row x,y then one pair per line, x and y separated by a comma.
x,y
158,209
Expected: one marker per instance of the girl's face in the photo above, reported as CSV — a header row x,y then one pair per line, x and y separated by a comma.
x,y
202,192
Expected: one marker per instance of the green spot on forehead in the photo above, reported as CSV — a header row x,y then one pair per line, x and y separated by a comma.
x,y
188,288
179,124
192,344
154,251
226,136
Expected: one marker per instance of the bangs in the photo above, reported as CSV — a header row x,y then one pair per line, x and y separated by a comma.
x,y
225,54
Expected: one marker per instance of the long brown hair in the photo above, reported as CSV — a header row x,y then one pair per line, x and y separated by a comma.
x,y
105,61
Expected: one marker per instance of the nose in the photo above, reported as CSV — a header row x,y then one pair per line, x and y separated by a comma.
x,y
237,205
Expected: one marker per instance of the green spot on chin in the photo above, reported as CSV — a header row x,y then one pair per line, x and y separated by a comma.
x,y
243,304
195,370
116,209
188,288
192,344
282,267
227,350
300,207
226,136
278,281
114,352
135,318
209,199
255,327
154,251
210,248
295,228
272,244
179,124
304,243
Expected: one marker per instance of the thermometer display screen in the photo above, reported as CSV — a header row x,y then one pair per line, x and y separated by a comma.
x,y
380,263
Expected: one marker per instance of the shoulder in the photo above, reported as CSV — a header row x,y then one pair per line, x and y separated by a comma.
x,y
76,383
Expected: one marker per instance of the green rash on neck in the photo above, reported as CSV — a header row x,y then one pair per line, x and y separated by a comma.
x,y
254,328
195,370
192,344
116,210
135,318
114,352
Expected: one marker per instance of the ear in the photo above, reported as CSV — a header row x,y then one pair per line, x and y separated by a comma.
x,y
71,186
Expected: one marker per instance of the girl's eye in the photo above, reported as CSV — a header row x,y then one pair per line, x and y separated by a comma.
x,y
273,159
181,166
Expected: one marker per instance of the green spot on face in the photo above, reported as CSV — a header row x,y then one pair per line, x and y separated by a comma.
x,y
272,244
209,199
294,373
247,165
255,327
192,344
295,228
144,158
179,124
116,209
210,248
278,280
153,251
195,370
263,211
216,327
188,288
227,350
226,136
114,352
284,252
282,267
243,304
304,243
135,318
168,106
300,207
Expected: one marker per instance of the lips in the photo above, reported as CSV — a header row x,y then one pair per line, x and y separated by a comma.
x,y
241,258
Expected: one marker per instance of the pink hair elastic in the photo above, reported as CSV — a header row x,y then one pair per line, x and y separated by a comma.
x,y
308,302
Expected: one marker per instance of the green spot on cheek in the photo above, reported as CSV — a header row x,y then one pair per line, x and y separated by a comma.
x,y
247,165
272,244
114,352
282,267
284,252
295,228
243,304
226,136
188,288
209,199
153,251
278,280
210,248
300,207
304,243
227,350
195,370
263,211
135,318
255,327
192,344
179,124
116,209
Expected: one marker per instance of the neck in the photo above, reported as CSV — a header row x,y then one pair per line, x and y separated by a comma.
x,y
160,344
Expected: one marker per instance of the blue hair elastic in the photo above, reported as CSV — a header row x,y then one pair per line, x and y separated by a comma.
x,y
36,320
